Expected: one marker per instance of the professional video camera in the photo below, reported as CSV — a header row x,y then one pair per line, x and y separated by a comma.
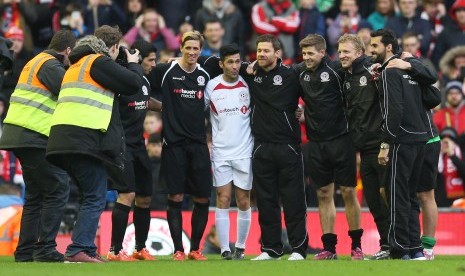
x,y
122,58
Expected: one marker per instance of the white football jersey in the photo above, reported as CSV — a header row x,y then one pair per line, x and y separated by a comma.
x,y
230,118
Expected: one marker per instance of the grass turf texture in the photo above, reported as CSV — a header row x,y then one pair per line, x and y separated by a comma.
x,y
442,265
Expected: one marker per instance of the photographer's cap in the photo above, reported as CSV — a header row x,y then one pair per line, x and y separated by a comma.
x,y
14,32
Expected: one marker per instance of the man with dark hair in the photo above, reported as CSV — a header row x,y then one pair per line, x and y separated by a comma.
x,y
213,33
26,131
185,159
87,133
277,158
331,151
134,183
228,97
277,163
406,129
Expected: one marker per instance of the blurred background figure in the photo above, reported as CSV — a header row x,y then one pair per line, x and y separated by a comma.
x,y
11,210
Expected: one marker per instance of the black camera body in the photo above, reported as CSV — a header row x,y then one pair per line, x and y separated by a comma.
x,y
122,58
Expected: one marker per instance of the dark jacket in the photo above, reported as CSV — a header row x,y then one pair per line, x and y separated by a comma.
x,y
275,95
50,75
107,146
325,117
405,119
400,25
363,106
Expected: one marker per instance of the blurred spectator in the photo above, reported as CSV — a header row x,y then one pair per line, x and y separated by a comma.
x,y
133,9
70,19
277,17
410,20
213,34
451,163
229,16
176,11
160,196
152,123
411,44
346,21
21,56
185,26
385,9
452,65
102,12
364,32
453,115
311,22
151,27
453,35
434,11
11,210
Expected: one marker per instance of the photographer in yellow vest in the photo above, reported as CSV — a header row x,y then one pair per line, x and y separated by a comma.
x,y
87,133
26,131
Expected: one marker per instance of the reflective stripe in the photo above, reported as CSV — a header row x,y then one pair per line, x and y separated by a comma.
x,y
76,84
33,69
37,90
32,103
83,68
86,101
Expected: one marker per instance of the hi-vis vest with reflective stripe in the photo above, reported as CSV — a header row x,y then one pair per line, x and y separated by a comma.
x,y
82,101
32,104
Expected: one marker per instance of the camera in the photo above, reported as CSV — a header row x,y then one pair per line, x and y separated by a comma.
x,y
122,58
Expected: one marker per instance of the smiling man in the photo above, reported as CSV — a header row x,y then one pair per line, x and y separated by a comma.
x,y
331,151
185,159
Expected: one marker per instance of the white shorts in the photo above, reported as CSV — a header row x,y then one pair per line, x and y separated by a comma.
x,y
239,171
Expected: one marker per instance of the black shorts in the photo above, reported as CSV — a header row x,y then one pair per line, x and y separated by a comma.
x,y
186,169
429,169
136,176
332,161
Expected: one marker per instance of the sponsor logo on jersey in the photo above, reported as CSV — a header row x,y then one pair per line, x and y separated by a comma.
x,y
179,78
243,96
324,77
244,109
258,79
141,105
277,80
363,81
201,80
188,94
347,85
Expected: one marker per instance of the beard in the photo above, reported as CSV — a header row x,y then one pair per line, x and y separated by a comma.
x,y
378,58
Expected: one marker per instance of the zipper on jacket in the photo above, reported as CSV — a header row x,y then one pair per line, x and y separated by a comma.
x,y
255,151
285,115
293,149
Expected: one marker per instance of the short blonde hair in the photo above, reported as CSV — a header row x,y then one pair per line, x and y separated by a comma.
x,y
192,35
355,40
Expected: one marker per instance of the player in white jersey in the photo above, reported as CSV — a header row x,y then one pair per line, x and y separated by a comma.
x,y
229,100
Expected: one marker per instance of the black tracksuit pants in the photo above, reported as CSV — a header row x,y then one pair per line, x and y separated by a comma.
x,y
404,171
373,177
278,174
47,191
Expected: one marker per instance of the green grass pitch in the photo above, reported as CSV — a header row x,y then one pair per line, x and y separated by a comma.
x,y
442,265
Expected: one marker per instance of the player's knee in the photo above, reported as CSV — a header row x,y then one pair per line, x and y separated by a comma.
x,y
176,197
223,201
348,193
143,202
243,203
325,193
201,200
126,198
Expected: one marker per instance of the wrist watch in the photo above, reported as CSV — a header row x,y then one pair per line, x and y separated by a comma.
x,y
384,146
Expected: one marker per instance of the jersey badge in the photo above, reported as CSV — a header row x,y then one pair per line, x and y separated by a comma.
x,y
201,81
277,80
324,77
363,81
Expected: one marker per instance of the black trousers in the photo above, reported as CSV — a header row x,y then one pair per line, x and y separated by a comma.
x,y
47,190
404,171
278,174
373,177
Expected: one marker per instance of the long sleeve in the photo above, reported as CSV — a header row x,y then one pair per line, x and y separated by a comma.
x,y
334,31
131,35
288,24
421,73
260,22
171,41
393,104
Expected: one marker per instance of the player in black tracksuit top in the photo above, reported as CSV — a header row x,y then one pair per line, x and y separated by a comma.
x,y
406,129
330,152
277,163
135,181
